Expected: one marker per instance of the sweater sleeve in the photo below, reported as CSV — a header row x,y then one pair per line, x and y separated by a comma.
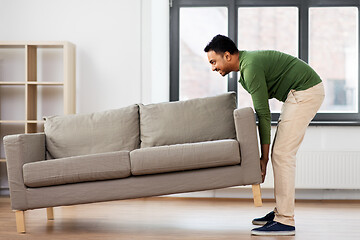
x,y
255,81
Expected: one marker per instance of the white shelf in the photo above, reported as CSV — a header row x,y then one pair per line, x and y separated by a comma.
x,y
35,121
12,121
45,83
12,83
32,83
30,99
41,44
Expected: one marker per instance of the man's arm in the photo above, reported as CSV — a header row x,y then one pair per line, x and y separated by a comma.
x,y
256,84
264,159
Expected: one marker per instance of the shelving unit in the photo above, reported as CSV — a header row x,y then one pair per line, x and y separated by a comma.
x,y
30,122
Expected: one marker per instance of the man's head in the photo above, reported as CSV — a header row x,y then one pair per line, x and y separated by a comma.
x,y
222,54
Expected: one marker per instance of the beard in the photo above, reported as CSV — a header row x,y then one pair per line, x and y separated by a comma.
x,y
223,73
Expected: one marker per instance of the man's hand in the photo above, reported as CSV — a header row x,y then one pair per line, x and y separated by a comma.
x,y
263,164
264,159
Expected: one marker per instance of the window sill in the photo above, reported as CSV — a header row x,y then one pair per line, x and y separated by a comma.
x,y
328,123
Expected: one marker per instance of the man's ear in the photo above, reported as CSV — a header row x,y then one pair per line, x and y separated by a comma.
x,y
227,56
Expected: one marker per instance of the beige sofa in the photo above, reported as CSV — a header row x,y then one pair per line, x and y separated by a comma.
x,y
132,152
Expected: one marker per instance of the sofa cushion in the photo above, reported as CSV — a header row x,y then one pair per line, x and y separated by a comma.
x,y
80,134
195,120
186,156
102,166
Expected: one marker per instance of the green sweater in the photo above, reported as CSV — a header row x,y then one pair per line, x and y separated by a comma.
x,y
267,74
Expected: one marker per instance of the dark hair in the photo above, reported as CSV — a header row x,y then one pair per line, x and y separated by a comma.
x,y
221,44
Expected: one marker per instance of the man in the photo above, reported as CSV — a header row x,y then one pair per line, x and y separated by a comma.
x,y
265,75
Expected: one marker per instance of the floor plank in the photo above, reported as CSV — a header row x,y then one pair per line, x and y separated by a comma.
x,y
173,218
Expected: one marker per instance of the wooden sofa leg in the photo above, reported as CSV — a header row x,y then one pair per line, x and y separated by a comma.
x,y
50,213
20,221
257,195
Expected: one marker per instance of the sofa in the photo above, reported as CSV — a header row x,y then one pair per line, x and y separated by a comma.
x,y
133,152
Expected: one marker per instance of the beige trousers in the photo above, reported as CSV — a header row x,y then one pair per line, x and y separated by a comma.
x,y
298,110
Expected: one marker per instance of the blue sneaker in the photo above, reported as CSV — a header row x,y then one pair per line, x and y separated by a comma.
x,y
274,229
263,220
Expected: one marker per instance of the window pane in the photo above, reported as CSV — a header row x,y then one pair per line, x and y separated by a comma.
x,y
334,55
267,28
196,30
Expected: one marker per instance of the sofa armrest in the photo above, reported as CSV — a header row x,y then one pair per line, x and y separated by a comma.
x,y
246,135
21,149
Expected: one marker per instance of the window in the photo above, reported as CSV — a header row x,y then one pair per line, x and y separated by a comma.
x,y
261,28
323,33
333,53
196,78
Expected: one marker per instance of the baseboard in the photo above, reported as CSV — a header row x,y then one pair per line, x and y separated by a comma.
x,y
4,192
267,193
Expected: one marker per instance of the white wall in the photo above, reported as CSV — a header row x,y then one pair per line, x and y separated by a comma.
x,y
107,38
155,51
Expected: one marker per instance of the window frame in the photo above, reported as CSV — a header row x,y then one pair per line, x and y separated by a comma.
x,y
331,119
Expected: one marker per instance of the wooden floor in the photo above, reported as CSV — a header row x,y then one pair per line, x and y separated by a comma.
x,y
173,218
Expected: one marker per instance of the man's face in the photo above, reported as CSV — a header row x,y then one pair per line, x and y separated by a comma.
x,y
219,63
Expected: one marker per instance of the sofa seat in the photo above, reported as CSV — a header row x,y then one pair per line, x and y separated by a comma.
x,y
188,156
85,168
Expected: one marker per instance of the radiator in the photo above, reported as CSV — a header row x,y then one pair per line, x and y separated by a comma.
x,y
324,170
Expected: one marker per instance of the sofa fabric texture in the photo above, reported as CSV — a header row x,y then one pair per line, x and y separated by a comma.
x,y
95,167
182,157
84,134
195,120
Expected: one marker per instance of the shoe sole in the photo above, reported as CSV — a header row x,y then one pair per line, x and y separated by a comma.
x,y
262,223
273,233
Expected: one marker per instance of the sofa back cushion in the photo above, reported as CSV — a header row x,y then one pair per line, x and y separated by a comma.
x,y
195,120
82,134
